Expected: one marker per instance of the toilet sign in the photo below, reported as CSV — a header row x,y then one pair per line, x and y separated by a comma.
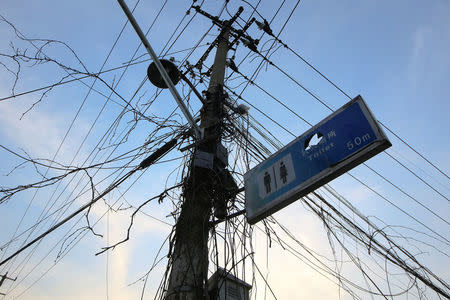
x,y
343,140
276,176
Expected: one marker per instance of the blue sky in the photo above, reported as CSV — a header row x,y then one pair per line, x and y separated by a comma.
x,y
393,53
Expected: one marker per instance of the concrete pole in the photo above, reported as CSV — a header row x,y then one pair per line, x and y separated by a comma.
x,y
189,259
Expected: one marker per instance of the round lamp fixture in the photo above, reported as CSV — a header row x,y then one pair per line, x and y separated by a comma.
x,y
155,77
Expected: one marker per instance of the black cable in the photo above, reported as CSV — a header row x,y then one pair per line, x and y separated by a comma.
x,y
73,120
68,218
346,95
399,208
406,194
384,198
415,151
321,101
326,105
138,47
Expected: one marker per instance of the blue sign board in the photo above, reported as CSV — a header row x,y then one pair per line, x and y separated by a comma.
x,y
343,140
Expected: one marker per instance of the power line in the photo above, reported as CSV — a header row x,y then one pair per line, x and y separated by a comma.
x,y
259,150
75,117
116,84
367,186
345,94
406,194
68,218
321,101
417,176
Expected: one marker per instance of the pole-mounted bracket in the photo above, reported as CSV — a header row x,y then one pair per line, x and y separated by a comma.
x,y
233,215
225,27
238,34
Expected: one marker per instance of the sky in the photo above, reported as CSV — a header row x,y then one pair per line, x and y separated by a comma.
x,y
392,53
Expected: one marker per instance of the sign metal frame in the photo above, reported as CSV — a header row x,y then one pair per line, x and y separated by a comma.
x,y
327,160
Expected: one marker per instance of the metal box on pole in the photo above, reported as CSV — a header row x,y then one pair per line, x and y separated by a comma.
x,y
224,286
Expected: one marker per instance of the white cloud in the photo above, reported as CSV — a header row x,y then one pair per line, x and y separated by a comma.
x,y
429,52
39,132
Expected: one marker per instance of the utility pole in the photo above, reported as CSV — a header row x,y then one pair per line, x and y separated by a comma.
x,y
208,183
203,184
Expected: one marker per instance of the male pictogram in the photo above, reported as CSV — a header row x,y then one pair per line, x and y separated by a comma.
x,y
267,181
283,172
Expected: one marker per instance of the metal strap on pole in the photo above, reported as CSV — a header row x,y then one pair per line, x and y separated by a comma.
x,y
160,67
